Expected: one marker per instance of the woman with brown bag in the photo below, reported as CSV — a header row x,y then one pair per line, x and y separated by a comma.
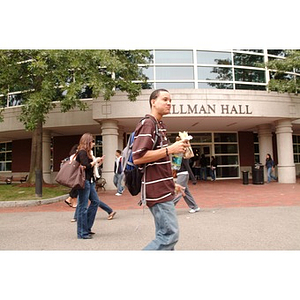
x,y
86,214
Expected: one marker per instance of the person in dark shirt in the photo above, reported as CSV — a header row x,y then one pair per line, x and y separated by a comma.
x,y
203,164
86,214
270,165
213,168
158,188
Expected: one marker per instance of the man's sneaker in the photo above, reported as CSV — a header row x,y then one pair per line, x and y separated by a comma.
x,y
194,210
118,194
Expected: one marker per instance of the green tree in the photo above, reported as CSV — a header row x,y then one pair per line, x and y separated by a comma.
x,y
281,71
47,76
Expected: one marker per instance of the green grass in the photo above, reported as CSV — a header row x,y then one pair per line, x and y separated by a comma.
x,y
16,192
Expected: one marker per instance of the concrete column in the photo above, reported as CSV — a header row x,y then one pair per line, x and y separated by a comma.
x,y
265,144
110,137
47,156
286,166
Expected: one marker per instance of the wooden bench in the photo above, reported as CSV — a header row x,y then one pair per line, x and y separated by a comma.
x,y
12,178
7,179
20,178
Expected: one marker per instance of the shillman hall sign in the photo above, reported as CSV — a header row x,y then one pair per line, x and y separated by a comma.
x,y
210,109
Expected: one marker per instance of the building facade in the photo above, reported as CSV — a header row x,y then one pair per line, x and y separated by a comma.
x,y
219,96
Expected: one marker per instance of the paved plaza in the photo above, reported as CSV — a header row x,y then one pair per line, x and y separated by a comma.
x,y
233,216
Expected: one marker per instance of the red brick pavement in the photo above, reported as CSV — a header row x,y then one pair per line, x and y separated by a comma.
x,y
218,194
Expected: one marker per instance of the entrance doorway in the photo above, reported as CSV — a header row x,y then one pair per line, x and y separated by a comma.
x,y
198,150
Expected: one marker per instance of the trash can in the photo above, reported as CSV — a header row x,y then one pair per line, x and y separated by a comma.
x,y
245,177
258,174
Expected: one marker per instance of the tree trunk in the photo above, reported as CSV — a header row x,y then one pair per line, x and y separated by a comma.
x,y
36,160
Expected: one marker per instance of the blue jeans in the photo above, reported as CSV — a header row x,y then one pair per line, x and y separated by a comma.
x,y
203,171
102,205
213,174
86,214
270,175
118,182
166,227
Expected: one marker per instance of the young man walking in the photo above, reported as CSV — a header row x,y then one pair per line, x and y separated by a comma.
x,y
118,176
158,186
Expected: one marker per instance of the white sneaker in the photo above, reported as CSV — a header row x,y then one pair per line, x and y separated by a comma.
x,y
194,210
118,194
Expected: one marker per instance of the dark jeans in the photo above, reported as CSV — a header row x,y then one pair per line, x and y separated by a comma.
x,y
86,214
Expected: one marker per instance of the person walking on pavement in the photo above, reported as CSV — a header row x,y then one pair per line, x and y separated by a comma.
x,y
183,175
86,213
157,181
118,177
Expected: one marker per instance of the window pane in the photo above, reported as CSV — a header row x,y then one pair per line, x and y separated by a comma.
x,y
226,148
215,58
167,56
201,138
8,146
225,137
214,73
250,87
249,75
174,73
8,156
214,85
148,72
241,59
175,85
276,52
228,172
228,160
8,166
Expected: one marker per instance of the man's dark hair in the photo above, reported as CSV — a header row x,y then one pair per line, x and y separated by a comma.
x,y
155,94
119,151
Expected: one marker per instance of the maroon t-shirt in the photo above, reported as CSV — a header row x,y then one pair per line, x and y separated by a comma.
x,y
158,176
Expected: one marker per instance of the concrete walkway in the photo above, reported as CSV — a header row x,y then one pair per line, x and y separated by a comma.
x,y
233,216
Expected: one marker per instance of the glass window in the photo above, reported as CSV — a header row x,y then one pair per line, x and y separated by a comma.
x,y
149,72
98,151
251,60
214,73
214,58
174,73
252,50
228,160
228,172
226,148
296,148
5,156
172,56
214,85
15,99
204,137
225,137
279,52
250,87
249,75
175,85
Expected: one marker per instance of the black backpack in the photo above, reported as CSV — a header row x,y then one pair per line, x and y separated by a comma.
x,y
133,174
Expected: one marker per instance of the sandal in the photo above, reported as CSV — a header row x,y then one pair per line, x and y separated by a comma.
x,y
68,203
111,215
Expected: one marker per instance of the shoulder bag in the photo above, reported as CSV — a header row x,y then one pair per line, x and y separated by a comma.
x,y
71,174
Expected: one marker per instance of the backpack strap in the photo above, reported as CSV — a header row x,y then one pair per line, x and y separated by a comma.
x,y
157,134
